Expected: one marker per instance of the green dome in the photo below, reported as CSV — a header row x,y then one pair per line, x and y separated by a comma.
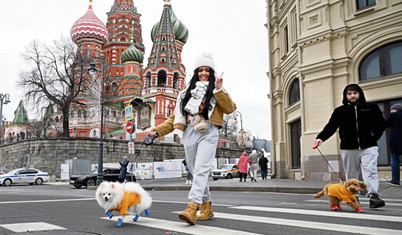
x,y
132,54
179,29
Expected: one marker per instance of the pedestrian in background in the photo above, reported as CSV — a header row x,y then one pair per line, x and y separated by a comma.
x,y
189,175
361,125
394,121
242,164
199,144
263,163
254,165
123,169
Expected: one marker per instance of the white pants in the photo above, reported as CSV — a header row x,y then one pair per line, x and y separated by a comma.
x,y
366,160
200,151
253,170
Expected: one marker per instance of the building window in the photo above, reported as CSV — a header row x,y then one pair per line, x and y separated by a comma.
x,y
286,39
361,4
161,78
384,61
114,86
176,81
294,92
148,82
295,134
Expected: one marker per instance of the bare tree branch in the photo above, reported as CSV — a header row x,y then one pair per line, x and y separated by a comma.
x,y
54,73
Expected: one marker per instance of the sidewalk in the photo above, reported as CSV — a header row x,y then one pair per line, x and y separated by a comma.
x,y
269,185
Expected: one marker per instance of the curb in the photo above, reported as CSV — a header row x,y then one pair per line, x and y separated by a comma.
x,y
239,189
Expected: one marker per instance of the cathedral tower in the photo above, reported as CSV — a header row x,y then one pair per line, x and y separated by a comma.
x,y
165,74
122,18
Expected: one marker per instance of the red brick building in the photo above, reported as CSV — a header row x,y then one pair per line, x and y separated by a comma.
x,y
151,88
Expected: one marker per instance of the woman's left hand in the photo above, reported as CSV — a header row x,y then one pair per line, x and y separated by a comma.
x,y
218,81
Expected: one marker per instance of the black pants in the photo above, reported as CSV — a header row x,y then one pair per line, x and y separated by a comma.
x,y
243,176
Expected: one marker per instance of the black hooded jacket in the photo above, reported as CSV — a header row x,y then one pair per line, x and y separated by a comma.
x,y
359,126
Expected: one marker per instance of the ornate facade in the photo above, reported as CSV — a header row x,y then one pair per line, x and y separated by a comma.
x,y
316,48
118,46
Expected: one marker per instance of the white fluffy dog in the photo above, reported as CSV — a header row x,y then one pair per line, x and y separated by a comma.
x,y
128,198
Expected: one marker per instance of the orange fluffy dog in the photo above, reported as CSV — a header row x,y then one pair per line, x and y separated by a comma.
x,y
343,192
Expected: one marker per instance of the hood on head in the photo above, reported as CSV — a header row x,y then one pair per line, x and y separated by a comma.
x,y
362,98
396,107
244,154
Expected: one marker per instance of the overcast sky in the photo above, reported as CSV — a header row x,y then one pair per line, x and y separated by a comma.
x,y
233,30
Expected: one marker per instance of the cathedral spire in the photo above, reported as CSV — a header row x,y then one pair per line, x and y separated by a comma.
x,y
164,50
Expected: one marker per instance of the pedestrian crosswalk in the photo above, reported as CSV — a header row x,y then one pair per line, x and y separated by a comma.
x,y
31,227
181,227
285,218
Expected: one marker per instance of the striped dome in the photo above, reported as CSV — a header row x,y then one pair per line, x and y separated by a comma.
x,y
179,29
89,26
132,54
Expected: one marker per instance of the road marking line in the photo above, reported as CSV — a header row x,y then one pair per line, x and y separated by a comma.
x,y
181,202
181,227
30,227
55,200
323,213
307,224
386,202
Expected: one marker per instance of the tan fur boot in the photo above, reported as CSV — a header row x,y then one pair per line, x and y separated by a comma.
x,y
189,215
206,211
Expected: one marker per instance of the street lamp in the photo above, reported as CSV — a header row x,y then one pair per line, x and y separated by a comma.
x,y
92,71
242,137
5,99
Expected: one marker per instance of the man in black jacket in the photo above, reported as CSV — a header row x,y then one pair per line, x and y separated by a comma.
x,y
360,125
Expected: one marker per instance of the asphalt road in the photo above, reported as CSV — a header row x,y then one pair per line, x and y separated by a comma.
x,y
62,209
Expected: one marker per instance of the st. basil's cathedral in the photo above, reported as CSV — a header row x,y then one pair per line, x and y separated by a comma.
x,y
152,91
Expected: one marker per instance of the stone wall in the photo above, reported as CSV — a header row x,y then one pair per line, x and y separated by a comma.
x,y
48,154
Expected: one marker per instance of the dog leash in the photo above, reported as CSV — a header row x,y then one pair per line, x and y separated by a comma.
x,y
328,163
148,140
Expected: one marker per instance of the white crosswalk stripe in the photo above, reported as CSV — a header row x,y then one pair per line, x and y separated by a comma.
x,y
308,224
323,213
387,202
180,226
31,227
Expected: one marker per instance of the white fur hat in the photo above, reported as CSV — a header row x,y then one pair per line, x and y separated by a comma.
x,y
205,59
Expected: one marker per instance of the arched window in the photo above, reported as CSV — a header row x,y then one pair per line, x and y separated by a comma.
x,y
114,86
384,61
148,77
175,81
294,92
161,78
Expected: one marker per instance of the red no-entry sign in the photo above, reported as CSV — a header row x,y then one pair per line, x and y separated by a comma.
x,y
129,127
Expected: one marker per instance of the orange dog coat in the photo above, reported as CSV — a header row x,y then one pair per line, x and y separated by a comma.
x,y
339,191
129,199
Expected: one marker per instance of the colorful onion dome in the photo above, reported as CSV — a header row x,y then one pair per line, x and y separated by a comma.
x,y
132,54
179,29
89,26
